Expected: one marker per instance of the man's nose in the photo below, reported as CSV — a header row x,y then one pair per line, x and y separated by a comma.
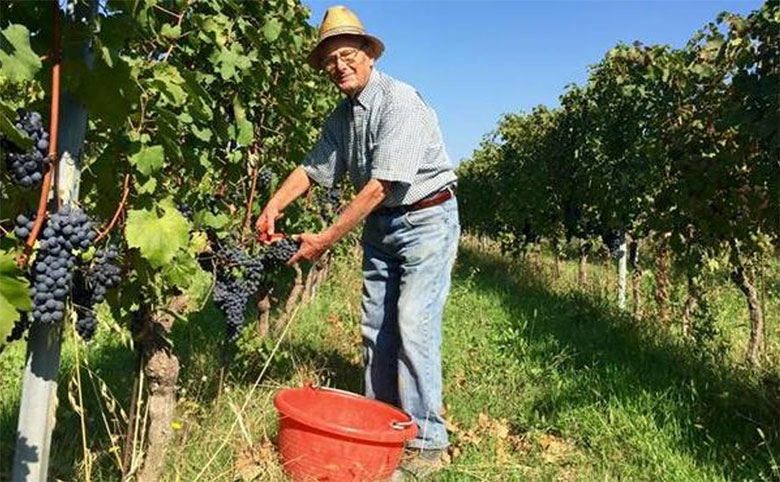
x,y
339,63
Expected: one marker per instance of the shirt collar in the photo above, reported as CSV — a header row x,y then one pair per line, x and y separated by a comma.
x,y
369,91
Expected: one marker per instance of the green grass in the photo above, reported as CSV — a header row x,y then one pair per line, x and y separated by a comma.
x,y
544,381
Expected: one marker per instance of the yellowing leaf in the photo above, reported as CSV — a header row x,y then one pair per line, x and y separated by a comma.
x,y
157,237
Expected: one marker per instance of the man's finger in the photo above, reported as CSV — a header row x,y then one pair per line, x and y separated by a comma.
x,y
297,256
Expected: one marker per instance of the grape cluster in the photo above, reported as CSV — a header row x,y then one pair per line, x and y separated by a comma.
x,y
24,226
66,231
231,298
184,209
239,277
266,175
91,288
283,250
329,202
612,240
27,168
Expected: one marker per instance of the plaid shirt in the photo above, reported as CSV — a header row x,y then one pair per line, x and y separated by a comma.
x,y
388,133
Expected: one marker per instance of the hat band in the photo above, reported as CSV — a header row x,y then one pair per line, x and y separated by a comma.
x,y
346,29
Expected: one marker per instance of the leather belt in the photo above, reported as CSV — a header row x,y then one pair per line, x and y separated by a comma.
x,y
430,200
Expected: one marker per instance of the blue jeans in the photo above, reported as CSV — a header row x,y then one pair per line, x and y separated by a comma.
x,y
407,262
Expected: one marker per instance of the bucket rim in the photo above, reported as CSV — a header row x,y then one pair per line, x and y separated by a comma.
x,y
398,431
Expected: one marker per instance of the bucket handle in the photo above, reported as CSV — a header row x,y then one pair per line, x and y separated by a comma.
x,y
316,386
401,425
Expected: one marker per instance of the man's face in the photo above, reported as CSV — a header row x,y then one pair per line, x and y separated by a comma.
x,y
348,64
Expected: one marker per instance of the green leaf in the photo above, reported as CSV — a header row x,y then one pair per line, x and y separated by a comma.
x,y
14,294
18,62
148,187
14,287
7,119
157,237
169,82
272,29
181,271
170,31
213,221
199,288
198,243
244,127
109,89
232,60
202,134
148,159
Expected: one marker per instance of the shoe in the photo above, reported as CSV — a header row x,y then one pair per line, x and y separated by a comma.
x,y
416,464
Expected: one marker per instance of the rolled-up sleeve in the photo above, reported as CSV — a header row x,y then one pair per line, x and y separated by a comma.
x,y
325,163
399,148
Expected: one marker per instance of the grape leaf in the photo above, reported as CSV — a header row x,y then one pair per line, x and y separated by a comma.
x,y
14,294
148,159
7,119
170,31
198,243
18,62
213,221
181,271
231,60
244,136
157,237
272,29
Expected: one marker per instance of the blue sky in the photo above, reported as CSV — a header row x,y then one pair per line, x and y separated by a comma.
x,y
476,60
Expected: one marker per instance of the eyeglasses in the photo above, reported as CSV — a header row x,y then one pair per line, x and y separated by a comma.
x,y
348,56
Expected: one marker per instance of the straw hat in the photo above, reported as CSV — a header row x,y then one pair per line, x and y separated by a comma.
x,y
340,20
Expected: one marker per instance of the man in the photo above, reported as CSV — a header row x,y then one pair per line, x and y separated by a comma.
x,y
387,140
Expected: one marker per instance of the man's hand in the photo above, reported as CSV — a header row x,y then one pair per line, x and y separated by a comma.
x,y
265,224
296,184
312,247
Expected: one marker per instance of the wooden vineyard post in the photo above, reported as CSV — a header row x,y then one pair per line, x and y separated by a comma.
x,y
38,406
622,259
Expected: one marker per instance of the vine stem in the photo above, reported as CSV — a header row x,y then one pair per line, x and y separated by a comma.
x,y
248,217
255,170
54,123
119,209
178,24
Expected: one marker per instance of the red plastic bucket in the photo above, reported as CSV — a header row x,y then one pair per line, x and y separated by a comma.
x,y
337,436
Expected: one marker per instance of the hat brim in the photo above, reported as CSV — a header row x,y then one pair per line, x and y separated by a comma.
x,y
316,56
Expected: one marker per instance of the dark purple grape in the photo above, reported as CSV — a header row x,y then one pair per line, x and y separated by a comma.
x,y
266,176
283,250
239,276
27,167
91,287
55,260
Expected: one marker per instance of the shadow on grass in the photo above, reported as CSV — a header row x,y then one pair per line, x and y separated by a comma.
x,y
613,357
